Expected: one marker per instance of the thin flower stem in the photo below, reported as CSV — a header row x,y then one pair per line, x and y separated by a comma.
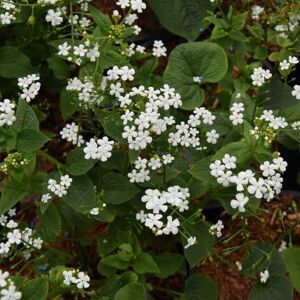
x,y
50,159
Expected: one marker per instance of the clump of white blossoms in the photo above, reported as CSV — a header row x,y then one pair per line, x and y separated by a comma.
x,y
286,63
266,186
264,276
13,235
135,5
159,49
84,91
191,241
198,79
78,278
98,149
70,133
59,189
175,198
30,86
55,17
260,75
7,16
7,113
296,125
236,117
141,172
8,290
216,229
124,73
296,91
267,126
85,51
256,11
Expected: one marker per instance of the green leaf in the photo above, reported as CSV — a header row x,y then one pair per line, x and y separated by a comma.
x,y
29,140
26,118
13,63
291,113
81,194
67,104
59,67
196,253
76,163
291,257
200,287
168,263
181,17
35,289
276,288
132,291
144,263
118,189
103,22
200,170
194,59
50,223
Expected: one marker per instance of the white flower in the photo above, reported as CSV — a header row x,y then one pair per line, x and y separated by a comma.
x,y
190,242
282,246
83,280
264,276
154,163
10,293
284,65
212,136
70,133
229,161
116,89
64,49
11,224
268,169
7,113
4,248
259,75
236,118
172,226
138,5
3,277
123,3
126,73
14,237
240,201
256,10
153,220
54,17
94,211
257,187
280,164
216,168
167,159
293,60
130,19
141,216
159,49
69,277
216,229
12,212
6,18
80,50
296,91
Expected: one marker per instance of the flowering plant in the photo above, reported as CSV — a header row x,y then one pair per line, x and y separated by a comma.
x,y
112,152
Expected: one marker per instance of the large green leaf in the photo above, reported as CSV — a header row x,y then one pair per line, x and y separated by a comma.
x,y
200,287
118,189
144,263
200,170
204,59
132,291
276,288
291,258
13,63
29,140
168,263
35,289
81,194
181,17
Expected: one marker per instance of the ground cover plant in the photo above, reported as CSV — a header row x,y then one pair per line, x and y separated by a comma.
x,y
114,150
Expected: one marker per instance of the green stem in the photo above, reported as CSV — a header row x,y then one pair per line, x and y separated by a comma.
x,y
172,292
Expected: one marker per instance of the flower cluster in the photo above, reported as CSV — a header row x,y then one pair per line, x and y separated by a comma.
x,y
187,133
55,17
267,125
30,86
124,73
286,64
159,202
296,125
256,11
80,279
134,5
8,14
85,91
264,276
7,113
265,186
216,229
140,173
138,129
296,91
13,161
86,50
236,117
70,133
14,236
59,189
98,149
159,49
8,290
259,76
